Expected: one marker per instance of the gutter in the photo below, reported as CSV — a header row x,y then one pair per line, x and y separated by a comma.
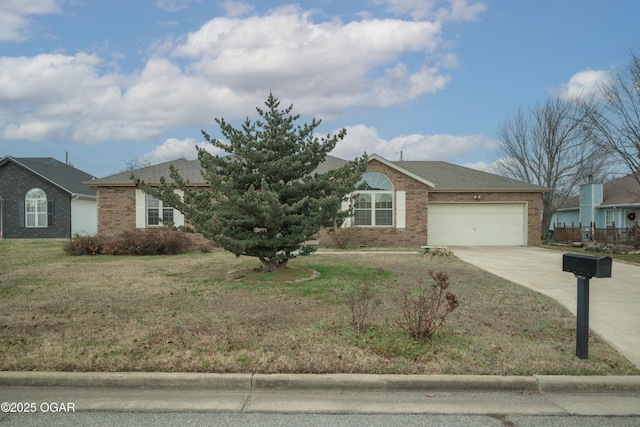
x,y
76,196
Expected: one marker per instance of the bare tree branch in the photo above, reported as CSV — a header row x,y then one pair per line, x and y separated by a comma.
x,y
548,145
613,121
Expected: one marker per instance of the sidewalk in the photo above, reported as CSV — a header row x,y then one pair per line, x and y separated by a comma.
x,y
335,393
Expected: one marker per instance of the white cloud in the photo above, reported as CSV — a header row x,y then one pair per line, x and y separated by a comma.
x,y
585,85
14,21
224,69
481,166
174,5
36,129
445,10
362,139
288,53
237,8
173,149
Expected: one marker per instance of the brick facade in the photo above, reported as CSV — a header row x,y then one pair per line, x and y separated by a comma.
x,y
15,182
415,232
116,211
418,198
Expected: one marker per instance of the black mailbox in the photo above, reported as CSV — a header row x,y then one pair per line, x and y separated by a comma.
x,y
587,265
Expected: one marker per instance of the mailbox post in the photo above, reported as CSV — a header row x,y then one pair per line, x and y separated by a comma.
x,y
584,267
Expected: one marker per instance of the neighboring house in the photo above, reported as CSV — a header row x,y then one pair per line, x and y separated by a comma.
x,y
45,198
616,203
396,203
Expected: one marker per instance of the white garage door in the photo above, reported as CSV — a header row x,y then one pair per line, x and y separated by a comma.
x,y
468,224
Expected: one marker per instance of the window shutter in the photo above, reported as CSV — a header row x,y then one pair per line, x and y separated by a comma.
x,y
401,214
346,205
141,209
21,213
50,213
178,217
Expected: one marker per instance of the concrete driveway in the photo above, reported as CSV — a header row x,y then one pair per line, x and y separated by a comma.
x,y
614,306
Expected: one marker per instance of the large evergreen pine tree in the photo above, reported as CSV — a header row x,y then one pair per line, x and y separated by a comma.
x,y
264,200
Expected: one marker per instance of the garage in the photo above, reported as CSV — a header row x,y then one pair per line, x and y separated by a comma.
x,y
477,224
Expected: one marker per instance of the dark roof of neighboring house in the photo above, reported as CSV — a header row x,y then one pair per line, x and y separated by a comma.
x,y
618,192
441,176
59,174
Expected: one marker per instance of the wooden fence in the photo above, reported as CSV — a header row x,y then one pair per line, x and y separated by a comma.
x,y
590,233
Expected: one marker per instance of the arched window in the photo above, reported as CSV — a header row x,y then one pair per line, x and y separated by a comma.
x,y
373,201
36,208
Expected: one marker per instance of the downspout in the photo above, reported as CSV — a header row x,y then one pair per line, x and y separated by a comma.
x,y
74,197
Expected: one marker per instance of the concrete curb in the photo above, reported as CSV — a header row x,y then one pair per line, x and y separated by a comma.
x,y
137,380
346,382
392,382
596,384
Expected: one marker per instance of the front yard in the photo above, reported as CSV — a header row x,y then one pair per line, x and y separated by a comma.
x,y
211,312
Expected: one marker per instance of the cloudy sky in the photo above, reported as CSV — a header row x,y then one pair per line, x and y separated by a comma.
x,y
114,81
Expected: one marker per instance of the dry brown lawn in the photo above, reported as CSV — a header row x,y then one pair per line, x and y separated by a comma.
x,y
212,312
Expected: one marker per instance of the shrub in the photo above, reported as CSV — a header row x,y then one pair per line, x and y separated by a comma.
x,y
422,313
83,245
598,247
154,241
362,301
439,253
341,237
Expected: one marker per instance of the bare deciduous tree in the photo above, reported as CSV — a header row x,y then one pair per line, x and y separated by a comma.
x,y
547,145
613,120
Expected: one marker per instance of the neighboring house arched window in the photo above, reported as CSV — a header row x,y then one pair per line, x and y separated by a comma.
x,y
373,200
36,208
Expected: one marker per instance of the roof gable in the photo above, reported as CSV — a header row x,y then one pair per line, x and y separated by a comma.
x,y
64,176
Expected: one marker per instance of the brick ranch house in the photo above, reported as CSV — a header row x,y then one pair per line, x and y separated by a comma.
x,y
397,203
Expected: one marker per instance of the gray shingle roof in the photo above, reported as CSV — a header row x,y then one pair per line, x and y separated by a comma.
x,y
449,177
445,176
60,174
618,192
189,170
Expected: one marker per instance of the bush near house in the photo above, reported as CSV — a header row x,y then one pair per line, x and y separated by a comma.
x,y
157,241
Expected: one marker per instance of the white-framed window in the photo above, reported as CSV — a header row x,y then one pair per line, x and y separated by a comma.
x,y
608,217
35,203
373,201
151,212
558,219
157,213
